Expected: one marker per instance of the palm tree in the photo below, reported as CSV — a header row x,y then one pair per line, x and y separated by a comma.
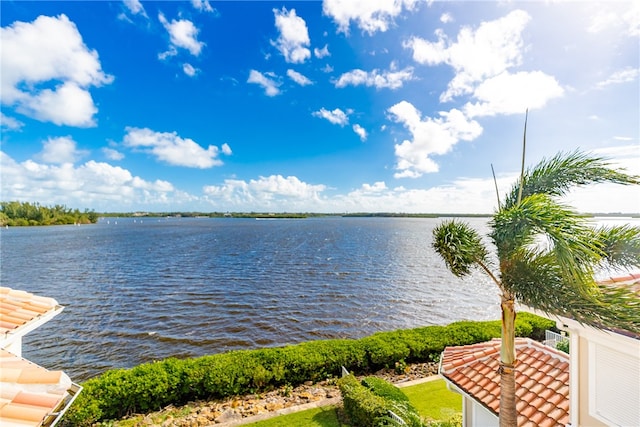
x,y
548,255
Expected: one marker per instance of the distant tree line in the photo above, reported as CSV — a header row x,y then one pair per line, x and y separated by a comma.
x,y
25,213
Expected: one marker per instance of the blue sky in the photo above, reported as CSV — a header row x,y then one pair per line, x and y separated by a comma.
x,y
332,106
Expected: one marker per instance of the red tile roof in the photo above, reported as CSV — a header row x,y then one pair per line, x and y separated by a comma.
x,y
28,392
542,379
30,395
19,308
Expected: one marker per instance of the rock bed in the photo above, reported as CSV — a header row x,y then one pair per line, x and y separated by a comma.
x,y
233,410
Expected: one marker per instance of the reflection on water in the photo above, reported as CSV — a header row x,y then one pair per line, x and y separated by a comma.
x,y
143,290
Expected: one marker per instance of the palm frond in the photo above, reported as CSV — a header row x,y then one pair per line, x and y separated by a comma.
x,y
460,246
564,171
538,282
620,245
569,236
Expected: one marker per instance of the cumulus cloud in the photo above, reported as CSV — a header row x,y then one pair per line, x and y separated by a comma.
x,y
370,16
431,136
60,150
182,34
9,123
47,71
513,94
337,116
321,53
202,5
112,154
170,148
96,184
360,131
294,39
391,79
488,51
265,193
301,79
269,82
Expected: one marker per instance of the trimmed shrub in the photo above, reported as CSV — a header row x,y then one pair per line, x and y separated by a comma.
x,y
384,389
363,408
369,403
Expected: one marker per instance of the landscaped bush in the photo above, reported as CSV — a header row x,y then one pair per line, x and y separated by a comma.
x,y
151,386
370,403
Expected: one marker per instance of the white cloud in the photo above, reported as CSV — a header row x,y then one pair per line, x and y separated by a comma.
x,y
445,18
112,154
182,34
360,131
189,69
49,51
135,7
294,36
430,137
172,149
476,55
321,53
226,150
93,185
9,123
513,94
266,193
327,69
377,187
625,75
202,5
369,15
623,17
301,79
386,79
337,116
60,150
267,81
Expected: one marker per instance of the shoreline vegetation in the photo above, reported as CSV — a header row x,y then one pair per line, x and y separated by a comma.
x,y
119,393
20,214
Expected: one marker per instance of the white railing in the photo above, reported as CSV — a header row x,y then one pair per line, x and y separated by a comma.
x,y
553,338
397,419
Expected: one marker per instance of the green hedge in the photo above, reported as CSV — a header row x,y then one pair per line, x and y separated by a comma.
x,y
152,386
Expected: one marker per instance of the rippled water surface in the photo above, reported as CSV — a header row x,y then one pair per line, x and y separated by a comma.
x,y
142,290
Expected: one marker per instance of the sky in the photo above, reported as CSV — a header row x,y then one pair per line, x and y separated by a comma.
x,y
312,106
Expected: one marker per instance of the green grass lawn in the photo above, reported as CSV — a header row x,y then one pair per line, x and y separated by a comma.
x,y
316,417
432,400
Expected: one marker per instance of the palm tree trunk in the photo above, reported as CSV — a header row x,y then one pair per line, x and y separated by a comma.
x,y
508,415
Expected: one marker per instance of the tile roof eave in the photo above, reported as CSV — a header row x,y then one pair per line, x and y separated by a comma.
x,y
66,403
10,335
461,391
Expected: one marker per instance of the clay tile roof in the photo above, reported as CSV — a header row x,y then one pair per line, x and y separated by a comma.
x,y
28,392
20,309
542,395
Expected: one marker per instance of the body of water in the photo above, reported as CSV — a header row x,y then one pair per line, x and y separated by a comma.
x,y
137,290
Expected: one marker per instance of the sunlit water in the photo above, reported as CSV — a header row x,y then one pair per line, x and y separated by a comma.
x,y
146,289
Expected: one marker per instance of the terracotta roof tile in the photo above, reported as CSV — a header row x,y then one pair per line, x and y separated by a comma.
x,y
19,308
30,395
28,392
542,379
